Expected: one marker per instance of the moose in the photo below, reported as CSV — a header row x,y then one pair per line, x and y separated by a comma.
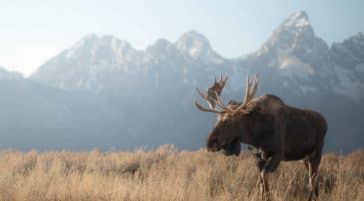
x,y
273,130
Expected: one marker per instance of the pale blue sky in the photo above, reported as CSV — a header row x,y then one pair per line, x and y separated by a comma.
x,y
33,31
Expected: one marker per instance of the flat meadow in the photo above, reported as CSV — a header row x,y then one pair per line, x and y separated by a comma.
x,y
167,174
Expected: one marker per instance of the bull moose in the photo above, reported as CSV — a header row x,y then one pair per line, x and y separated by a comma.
x,y
275,131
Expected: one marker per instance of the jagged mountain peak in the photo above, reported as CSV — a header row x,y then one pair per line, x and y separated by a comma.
x,y
295,26
193,44
92,41
350,52
197,46
161,49
159,45
193,37
294,40
86,61
95,48
286,34
297,19
93,38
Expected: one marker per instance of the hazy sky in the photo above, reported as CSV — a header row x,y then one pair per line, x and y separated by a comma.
x,y
33,31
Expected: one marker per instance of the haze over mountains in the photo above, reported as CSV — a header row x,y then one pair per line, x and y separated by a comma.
x,y
103,93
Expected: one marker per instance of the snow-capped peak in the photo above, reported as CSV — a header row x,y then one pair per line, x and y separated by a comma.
x,y
294,32
194,44
296,24
93,45
106,40
160,45
193,38
297,19
197,46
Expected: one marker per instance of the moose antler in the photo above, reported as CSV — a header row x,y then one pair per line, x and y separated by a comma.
x,y
203,109
250,90
212,97
218,85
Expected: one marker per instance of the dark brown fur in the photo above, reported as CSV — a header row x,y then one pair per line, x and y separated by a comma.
x,y
276,132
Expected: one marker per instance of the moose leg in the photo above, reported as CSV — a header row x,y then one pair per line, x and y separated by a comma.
x,y
266,165
309,170
260,162
314,162
269,166
272,164
264,186
313,179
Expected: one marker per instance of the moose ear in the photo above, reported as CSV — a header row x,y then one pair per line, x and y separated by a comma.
x,y
251,109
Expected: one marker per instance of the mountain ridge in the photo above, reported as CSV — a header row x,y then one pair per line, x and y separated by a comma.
x,y
293,49
103,92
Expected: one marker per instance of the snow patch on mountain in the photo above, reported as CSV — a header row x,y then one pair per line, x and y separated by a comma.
x,y
297,19
196,46
296,67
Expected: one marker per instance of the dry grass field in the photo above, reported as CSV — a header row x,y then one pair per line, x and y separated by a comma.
x,y
166,174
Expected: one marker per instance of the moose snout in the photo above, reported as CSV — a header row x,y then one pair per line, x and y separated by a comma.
x,y
214,146
212,149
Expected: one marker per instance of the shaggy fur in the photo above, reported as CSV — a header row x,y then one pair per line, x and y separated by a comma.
x,y
275,132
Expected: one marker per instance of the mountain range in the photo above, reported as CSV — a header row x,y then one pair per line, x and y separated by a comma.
x,y
103,93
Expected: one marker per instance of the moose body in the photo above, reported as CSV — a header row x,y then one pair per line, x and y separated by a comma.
x,y
274,131
277,128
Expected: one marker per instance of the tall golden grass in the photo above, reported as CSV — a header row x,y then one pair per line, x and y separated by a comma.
x,y
166,174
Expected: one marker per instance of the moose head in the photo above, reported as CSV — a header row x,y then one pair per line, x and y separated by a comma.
x,y
233,119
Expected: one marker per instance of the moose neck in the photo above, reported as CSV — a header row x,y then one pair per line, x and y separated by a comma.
x,y
245,127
